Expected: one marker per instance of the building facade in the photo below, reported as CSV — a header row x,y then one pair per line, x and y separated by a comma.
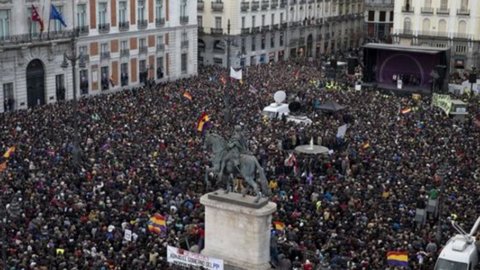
x,y
123,43
379,20
261,31
441,23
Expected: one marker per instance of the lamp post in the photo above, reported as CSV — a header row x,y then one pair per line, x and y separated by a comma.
x,y
73,58
441,198
227,98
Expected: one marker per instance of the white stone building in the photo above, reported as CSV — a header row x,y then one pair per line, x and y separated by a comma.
x,y
379,20
270,30
124,43
441,23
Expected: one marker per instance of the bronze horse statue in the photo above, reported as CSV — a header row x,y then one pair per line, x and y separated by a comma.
x,y
249,166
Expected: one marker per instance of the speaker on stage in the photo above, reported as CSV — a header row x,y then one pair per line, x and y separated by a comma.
x,y
352,62
472,78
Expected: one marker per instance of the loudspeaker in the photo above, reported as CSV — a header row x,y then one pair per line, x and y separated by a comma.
x,y
351,64
333,63
472,78
441,70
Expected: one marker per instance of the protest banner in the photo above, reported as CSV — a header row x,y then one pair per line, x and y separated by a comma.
x,y
444,102
185,258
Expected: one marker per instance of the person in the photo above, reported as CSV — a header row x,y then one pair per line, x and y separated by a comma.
x,y
236,146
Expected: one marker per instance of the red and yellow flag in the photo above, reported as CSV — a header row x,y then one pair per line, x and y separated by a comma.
x,y
9,152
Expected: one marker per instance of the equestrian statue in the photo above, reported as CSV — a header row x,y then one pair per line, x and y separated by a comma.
x,y
233,159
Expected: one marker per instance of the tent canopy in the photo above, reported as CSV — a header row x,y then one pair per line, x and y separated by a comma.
x,y
331,106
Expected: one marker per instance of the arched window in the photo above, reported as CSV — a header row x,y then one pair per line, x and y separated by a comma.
x,y
407,25
462,27
426,25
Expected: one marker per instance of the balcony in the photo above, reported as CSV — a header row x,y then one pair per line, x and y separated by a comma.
x,y
143,49
463,12
275,26
293,42
142,24
184,44
302,2
14,41
284,25
86,57
83,30
461,36
124,53
256,30
405,32
217,6
123,26
201,30
295,24
283,3
103,28
375,4
443,11
408,9
426,10
265,5
216,31
104,55
245,31
311,1
274,5
244,6
159,22
293,2
183,19
200,5
265,28
160,47
255,5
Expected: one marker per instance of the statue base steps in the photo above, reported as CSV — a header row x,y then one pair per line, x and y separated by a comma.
x,y
237,230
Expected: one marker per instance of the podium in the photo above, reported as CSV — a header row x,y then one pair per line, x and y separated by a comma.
x,y
237,230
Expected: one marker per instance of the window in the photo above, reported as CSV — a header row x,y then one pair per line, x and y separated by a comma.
x,y
159,67
407,24
34,26
57,25
141,10
428,3
122,12
142,66
102,13
158,9
243,45
104,48
82,15
253,43
60,86
160,39
184,62
9,105
383,16
280,40
253,21
124,47
218,22
243,22
124,74
462,27
83,82
444,4
464,5
272,19
426,25
5,24
371,15
183,8
105,81
281,17
200,21
263,20
391,16
262,44
272,40
442,26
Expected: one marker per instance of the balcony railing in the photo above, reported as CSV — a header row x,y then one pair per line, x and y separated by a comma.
x,y
245,31
443,11
184,44
256,30
143,49
275,26
274,5
142,24
201,30
124,53
255,5
83,30
36,38
200,5
311,1
283,3
293,2
104,55
407,9
284,25
160,47
463,12
265,28
103,28
461,35
216,31
217,6
159,22
432,34
426,10
244,6
123,26
302,1
265,5
183,19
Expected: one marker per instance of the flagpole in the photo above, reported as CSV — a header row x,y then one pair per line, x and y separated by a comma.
x,y
48,30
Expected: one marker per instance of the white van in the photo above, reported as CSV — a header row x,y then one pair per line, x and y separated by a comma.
x,y
276,110
460,252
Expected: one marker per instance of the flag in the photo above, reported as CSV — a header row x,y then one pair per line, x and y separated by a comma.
x,y
253,89
112,82
279,226
296,74
56,15
157,224
365,145
3,166
36,17
9,152
292,161
223,80
406,110
236,74
202,120
397,258
187,95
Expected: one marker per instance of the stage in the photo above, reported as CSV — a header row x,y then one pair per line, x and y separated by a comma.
x,y
389,88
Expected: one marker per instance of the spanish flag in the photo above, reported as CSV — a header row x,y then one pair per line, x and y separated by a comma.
x,y
202,120
157,224
9,152
406,110
187,95
397,258
279,226
365,145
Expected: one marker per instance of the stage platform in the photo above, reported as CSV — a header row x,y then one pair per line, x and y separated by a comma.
x,y
391,88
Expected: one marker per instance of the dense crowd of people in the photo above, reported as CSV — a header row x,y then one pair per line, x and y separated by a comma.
x,y
141,154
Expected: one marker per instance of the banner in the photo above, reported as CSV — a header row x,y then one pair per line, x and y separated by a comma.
x,y
236,74
186,258
444,102
341,131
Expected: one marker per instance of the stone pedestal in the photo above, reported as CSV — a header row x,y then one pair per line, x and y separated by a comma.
x,y
237,230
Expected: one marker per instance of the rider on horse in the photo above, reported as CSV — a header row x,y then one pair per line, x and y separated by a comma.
x,y
236,146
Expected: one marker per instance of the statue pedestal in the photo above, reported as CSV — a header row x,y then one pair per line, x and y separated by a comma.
x,y
237,230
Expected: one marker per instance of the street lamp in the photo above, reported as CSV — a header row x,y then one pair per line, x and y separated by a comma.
x,y
226,99
73,58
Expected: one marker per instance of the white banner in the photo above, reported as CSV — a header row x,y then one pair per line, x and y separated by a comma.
x,y
236,74
186,258
341,131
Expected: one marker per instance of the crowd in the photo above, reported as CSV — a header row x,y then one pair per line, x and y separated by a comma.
x,y
141,154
